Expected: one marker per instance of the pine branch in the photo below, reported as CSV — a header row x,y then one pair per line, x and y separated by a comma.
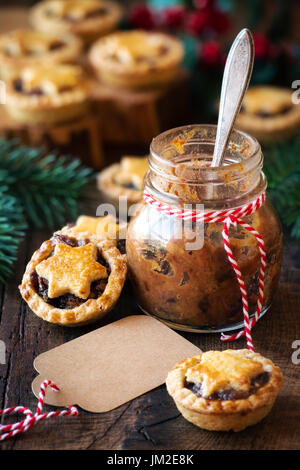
x,y
282,168
34,189
47,187
12,226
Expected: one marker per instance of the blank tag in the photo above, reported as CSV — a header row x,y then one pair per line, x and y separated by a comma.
x,y
103,369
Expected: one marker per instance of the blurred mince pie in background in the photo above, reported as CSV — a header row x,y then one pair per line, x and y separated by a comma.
x,y
136,59
44,94
23,48
88,19
269,114
123,179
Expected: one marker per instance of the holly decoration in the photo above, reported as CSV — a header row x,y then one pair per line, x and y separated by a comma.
x,y
35,190
200,17
203,26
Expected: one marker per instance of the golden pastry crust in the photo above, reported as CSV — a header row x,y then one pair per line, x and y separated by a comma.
x,y
103,227
24,48
78,17
91,309
130,170
71,270
136,59
220,414
47,95
269,113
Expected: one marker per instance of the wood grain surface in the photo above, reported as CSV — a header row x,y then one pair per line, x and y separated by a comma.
x,y
152,420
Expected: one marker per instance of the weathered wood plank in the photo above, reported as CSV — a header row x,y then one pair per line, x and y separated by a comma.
x,y
150,421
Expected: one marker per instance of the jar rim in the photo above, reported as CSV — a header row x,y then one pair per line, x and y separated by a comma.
x,y
187,176
157,142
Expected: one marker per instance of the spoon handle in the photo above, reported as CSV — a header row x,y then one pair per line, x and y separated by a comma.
x,y
236,78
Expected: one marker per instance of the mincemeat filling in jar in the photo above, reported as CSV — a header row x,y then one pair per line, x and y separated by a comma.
x,y
180,271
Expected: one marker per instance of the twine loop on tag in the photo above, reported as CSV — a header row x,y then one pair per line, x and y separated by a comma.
x,y
31,419
229,217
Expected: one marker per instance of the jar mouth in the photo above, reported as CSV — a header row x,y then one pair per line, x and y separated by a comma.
x,y
195,143
180,167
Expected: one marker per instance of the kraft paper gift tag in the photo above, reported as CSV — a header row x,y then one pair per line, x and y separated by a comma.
x,y
103,369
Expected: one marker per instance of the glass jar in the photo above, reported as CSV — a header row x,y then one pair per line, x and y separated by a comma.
x,y
181,273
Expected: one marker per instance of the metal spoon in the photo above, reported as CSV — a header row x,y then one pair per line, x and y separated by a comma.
x,y
236,78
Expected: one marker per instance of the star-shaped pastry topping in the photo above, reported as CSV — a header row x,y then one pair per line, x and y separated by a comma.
x,y
219,370
71,270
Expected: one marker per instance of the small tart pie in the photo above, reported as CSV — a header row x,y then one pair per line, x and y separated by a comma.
x,y
88,19
104,227
23,48
124,179
225,390
136,59
74,279
268,113
47,95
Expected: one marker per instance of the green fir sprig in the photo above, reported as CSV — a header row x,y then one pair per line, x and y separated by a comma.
x,y
35,190
282,168
12,230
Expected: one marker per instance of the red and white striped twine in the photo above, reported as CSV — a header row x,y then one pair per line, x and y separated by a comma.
x,y
31,419
228,217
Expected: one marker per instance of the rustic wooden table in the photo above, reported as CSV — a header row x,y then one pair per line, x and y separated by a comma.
x,y
151,421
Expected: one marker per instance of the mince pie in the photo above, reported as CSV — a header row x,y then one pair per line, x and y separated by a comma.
x,y
268,113
47,95
88,19
124,179
136,59
74,279
225,390
104,227
23,47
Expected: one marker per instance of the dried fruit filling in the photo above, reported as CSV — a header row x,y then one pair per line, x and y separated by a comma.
x,y
231,393
69,301
199,287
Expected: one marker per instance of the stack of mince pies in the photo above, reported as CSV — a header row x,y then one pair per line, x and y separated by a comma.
x,y
50,67
42,66
77,276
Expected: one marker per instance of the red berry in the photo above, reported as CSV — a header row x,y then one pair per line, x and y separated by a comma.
x,y
196,22
173,17
261,45
210,53
141,16
219,21
204,4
